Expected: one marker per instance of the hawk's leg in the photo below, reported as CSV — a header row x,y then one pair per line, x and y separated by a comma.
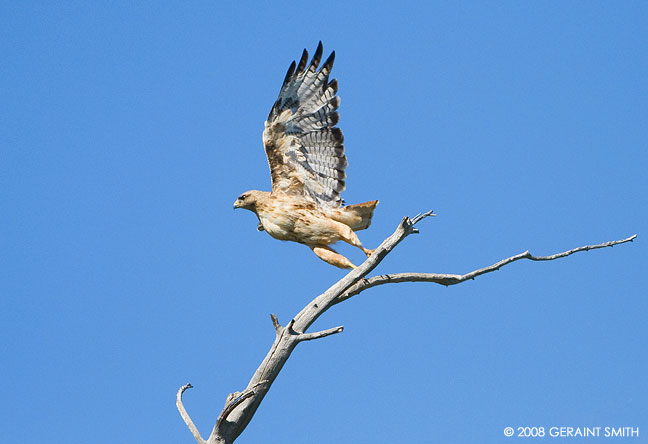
x,y
349,236
332,257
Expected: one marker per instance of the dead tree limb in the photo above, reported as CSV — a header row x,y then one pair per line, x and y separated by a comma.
x,y
185,415
240,407
452,279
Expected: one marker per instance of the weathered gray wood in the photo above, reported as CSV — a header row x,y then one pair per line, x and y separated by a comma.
x,y
185,415
240,407
452,279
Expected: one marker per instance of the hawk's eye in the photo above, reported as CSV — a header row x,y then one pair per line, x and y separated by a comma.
x,y
242,197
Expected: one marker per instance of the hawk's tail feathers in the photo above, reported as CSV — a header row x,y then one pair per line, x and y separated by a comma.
x,y
358,216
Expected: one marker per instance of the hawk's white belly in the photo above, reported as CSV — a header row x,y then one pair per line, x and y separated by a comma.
x,y
286,222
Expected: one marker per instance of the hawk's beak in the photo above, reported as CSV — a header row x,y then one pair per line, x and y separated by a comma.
x,y
236,205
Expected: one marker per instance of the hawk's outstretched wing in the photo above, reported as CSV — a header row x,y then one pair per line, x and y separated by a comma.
x,y
304,149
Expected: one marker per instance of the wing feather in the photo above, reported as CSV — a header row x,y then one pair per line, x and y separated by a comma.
x,y
304,148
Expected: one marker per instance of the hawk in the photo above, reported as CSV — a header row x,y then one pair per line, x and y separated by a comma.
x,y
307,162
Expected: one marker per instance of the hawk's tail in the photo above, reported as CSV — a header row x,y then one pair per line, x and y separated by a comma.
x,y
358,216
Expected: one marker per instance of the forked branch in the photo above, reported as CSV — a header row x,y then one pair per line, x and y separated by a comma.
x,y
240,407
233,400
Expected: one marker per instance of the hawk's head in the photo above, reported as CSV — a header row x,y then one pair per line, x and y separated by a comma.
x,y
249,200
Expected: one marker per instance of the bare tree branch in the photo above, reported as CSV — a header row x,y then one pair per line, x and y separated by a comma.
x,y
275,322
287,338
419,217
240,407
452,279
185,415
302,336
320,334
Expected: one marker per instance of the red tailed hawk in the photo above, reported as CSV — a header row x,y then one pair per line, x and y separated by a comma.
x,y
307,162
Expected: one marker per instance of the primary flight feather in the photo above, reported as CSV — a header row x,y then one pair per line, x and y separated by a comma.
x,y
307,162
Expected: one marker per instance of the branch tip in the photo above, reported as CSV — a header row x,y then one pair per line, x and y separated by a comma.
x,y
320,334
275,322
185,416
408,223
419,217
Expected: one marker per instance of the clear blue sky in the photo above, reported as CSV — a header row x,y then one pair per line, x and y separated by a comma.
x,y
128,130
